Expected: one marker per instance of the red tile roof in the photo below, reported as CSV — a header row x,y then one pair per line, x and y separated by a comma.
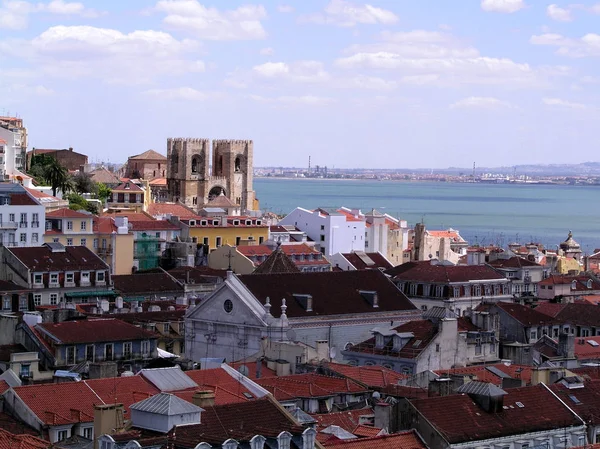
x,y
482,374
152,225
174,209
309,385
13,425
402,440
92,331
68,403
459,419
513,262
104,225
158,284
549,308
227,389
11,441
67,213
377,259
423,330
371,376
74,258
581,314
3,386
588,399
580,282
128,186
447,234
526,315
427,271
333,293
162,182
150,155
22,199
586,351
588,372
366,431
350,216
265,371
219,423
347,420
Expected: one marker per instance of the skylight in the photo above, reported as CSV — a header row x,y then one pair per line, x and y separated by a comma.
x,y
574,399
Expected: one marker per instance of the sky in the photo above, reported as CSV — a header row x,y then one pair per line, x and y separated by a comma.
x,y
385,84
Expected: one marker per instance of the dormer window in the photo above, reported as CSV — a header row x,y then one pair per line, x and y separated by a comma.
x,y
574,285
236,222
258,222
215,223
192,222
38,279
53,278
248,222
589,283
203,223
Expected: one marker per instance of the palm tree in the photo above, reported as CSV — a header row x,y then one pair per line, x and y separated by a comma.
x,y
58,177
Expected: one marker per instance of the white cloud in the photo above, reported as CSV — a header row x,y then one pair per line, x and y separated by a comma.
x,y
300,71
558,102
503,6
588,45
480,103
286,9
307,100
14,14
346,14
134,58
595,8
267,51
243,23
179,93
443,59
559,14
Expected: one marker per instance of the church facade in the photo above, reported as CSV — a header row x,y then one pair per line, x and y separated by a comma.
x,y
198,174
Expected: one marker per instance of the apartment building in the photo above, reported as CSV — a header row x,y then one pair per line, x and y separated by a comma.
x,y
21,217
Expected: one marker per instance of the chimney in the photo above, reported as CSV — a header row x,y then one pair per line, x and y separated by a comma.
x,y
107,419
322,350
70,148
566,345
204,398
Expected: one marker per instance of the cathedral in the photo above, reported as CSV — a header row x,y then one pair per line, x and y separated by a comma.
x,y
195,182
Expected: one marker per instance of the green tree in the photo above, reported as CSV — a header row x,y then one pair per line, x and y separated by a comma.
x,y
83,184
103,192
58,177
77,202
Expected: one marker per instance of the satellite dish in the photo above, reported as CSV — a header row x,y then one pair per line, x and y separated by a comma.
x,y
291,335
332,352
376,395
243,370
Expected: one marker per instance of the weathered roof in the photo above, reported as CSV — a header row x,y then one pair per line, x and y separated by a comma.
x,y
333,293
481,389
221,201
309,385
165,404
219,423
526,409
158,284
128,186
175,209
513,262
277,262
580,313
526,315
104,176
92,330
43,259
402,440
371,376
367,261
151,155
67,213
426,271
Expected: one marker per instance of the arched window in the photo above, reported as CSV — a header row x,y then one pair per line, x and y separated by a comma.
x,y
238,164
175,161
194,165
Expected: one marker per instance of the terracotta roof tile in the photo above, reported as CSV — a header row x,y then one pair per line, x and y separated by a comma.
x,y
581,314
159,284
371,376
527,315
127,186
227,389
68,403
92,331
309,385
22,199
333,293
513,262
366,431
430,272
67,213
347,420
12,441
481,373
219,423
401,440
541,411
360,262
179,210
42,259
152,225
151,155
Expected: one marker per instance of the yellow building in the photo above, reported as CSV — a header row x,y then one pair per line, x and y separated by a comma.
x,y
103,235
215,232
130,197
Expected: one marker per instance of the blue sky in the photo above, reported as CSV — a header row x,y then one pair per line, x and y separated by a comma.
x,y
391,83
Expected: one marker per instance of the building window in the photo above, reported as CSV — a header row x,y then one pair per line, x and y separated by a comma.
x,y
23,237
70,225
11,217
62,435
85,277
69,242
95,243
413,289
37,299
145,348
218,241
205,241
37,279
83,225
100,276
322,227
467,290
35,220
34,237
437,347
108,351
7,304
228,305
439,291
23,307
25,370
54,278
56,240
477,289
83,242
533,334
53,299
127,350
237,241
456,292
90,352
23,221
70,355
166,328
424,308
70,278
322,237
88,433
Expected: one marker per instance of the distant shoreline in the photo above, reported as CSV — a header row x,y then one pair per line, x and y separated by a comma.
x,y
287,178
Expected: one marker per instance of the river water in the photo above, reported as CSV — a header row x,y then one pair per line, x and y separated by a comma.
x,y
483,213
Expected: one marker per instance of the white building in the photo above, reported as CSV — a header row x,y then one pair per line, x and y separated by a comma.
x,y
335,232
22,217
13,142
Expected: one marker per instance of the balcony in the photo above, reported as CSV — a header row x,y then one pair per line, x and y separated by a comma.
x,y
105,251
8,225
23,224
35,224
